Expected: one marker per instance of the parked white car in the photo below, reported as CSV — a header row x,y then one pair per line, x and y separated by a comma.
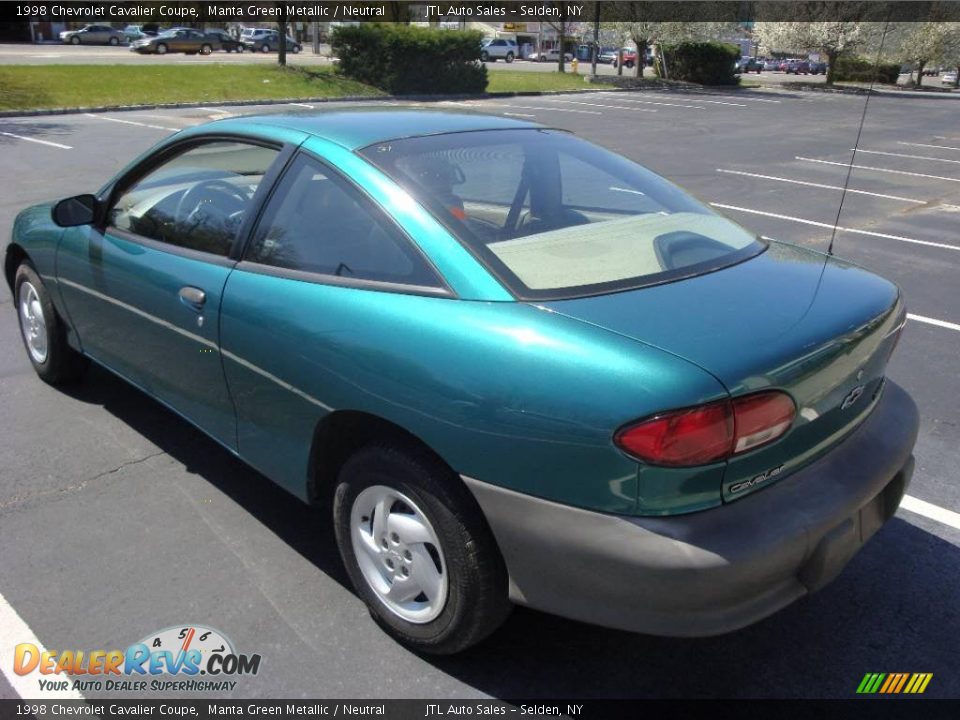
x,y
552,55
949,78
494,49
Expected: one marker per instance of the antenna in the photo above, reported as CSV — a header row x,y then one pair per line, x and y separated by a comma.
x,y
856,145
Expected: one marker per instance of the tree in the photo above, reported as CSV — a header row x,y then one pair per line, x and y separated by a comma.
x,y
833,39
951,50
924,43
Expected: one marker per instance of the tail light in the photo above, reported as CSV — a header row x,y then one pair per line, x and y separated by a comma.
x,y
709,433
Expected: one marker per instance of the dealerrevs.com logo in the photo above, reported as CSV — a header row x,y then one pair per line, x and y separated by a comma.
x,y
182,658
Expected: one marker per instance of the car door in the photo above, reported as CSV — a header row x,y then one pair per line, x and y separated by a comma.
x,y
143,291
325,290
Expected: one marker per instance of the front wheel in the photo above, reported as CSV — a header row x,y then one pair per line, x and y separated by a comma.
x,y
206,49
161,49
295,49
42,330
509,57
74,40
418,551
484,56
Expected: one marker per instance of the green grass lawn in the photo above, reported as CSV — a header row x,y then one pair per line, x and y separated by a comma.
x,y
27,87
24,87
527,80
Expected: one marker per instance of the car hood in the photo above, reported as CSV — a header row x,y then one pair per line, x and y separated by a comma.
x,y
789,318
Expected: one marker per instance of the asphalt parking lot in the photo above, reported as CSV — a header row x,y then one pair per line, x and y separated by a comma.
x,y
118,519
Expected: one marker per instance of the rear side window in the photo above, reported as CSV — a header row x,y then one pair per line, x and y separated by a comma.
x,y
316,222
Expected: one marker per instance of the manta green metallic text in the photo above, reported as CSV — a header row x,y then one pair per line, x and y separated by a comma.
x,y
516,367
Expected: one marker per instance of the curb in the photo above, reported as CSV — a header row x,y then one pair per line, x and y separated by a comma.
x,y
286,101
595,87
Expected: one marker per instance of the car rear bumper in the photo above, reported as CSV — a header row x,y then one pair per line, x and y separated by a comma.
x,y
718,570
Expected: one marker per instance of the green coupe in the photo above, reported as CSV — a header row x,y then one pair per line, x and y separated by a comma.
x,y
518,368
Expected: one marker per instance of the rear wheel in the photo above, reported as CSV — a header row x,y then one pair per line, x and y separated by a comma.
x,y
509,57
114,41
43,332
418,551
206,49
484,56
264,48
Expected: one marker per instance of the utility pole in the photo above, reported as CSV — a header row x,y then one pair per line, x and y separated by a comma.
x,y
596,38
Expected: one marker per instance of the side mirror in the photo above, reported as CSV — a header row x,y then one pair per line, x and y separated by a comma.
x,y
78,210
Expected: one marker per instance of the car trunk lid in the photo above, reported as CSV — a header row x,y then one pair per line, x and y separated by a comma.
x,y
791,319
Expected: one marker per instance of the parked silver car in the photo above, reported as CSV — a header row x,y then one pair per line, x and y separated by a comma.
x,y
93,35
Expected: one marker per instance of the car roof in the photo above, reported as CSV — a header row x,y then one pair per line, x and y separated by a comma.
x,y
358,127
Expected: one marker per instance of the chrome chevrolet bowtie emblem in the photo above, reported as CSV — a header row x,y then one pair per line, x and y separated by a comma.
x,y
852,397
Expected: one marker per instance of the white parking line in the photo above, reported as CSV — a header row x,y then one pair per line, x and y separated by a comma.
x,y
931,511
927,145
303,105
819,185
521,107
35,140
904,155
13,631
132,122
510,114
836,227
614,107
933,321
876,169
619,96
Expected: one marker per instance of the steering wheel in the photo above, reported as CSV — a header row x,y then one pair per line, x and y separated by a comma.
x,y
210,202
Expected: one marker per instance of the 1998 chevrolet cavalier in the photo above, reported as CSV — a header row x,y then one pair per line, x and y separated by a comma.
x,y
519,367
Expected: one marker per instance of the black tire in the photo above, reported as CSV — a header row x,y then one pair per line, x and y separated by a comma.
x,y
161,49
509,57
62,363
476,602
114,41
206,49
484,56
264,48
296,49
74,40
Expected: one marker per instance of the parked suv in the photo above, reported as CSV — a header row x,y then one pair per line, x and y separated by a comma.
x,y
498,49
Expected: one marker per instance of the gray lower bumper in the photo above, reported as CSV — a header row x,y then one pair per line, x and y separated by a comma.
x,y
713,571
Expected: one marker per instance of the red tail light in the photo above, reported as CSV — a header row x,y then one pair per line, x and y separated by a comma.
x,y
709,433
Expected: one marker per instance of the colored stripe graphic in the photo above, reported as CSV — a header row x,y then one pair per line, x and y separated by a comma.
x,y
894,683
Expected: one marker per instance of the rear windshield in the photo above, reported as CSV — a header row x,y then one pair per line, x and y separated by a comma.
x,y
556,217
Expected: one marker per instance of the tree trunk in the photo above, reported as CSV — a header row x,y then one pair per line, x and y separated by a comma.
x,y
620,61
831,68
920,66
956,83
641,59
282,50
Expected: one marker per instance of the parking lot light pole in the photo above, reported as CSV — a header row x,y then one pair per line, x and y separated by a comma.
x,y
596,39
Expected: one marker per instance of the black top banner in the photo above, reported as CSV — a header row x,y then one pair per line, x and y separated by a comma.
x,y
484,11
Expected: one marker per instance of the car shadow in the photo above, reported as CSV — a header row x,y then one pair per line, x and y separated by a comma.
x,y
896,607
304,528
32,128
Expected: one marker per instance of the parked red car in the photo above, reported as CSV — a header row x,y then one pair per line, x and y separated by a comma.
x,y
629,58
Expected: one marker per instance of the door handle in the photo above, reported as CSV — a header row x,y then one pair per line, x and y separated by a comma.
x,y
193,297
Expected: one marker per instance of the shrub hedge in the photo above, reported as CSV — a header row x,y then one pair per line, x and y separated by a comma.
x,y
855,69
707,63
405,59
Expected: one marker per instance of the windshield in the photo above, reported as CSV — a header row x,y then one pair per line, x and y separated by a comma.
x,y
556,217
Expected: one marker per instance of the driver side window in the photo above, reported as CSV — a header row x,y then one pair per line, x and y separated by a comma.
x,y
196,200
